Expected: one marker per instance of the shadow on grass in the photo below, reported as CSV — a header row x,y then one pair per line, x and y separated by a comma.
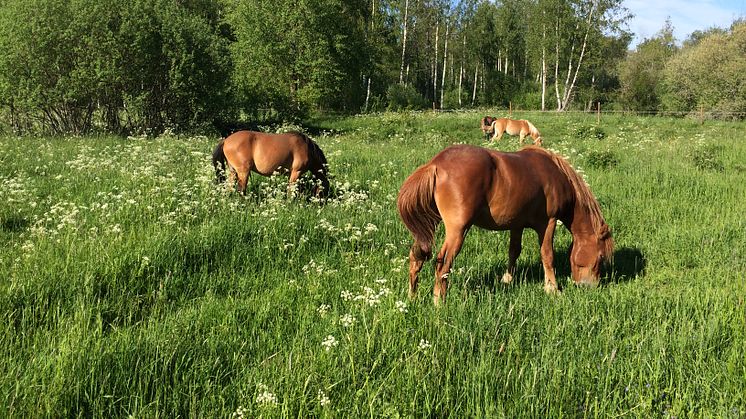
x,y
628,264
13,224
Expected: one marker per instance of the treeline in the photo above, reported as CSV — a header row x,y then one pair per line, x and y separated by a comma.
x,y
145,66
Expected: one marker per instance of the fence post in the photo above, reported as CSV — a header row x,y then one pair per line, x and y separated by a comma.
x,y
510,109
701,115
598,113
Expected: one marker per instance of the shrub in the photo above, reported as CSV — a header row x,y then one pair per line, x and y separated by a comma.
x,y
705,158
602,159
589,131
402,97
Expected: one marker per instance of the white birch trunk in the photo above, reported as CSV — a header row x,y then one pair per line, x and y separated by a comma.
x,y
404,42
445,60
569,89
474,91
435,63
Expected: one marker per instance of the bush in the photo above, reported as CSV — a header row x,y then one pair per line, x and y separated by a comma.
x,y
402,97
589,131
602,159
705,158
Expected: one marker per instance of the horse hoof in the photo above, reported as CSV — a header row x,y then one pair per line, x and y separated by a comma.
x,y
552,289
507,278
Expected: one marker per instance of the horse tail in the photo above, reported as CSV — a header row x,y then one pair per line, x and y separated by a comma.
x,y
218,162
416,204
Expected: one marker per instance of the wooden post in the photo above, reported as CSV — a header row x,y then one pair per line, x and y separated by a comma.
x,y
598,113
510,109
701,115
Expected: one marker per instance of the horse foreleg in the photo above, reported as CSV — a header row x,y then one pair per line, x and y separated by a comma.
x,y
546,242
451,247
523,135
513,253
293,183
243,180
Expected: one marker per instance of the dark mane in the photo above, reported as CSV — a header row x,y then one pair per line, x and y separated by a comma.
x,y
583,197
314,149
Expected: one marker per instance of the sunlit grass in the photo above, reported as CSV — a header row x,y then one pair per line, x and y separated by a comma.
x,y
131,284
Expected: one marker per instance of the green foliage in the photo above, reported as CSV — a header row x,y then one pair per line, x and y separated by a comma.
x,y
589,132
136,66
402,97
606,159
705,157
299,55
709,74
642,72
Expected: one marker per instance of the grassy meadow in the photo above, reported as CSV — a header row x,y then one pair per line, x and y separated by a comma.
x,y
133,286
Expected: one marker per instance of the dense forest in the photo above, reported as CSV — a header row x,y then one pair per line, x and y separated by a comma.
x,y
148,66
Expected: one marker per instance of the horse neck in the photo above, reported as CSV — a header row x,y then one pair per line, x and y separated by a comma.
x,y
582,221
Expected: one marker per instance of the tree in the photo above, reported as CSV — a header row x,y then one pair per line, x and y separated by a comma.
x,y
641,73
709,74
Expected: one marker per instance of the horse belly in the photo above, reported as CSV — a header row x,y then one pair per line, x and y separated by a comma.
x,y
513,129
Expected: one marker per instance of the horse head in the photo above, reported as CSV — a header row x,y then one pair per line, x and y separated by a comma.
x,y
589,252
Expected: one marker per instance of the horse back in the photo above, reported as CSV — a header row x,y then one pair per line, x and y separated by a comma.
x,y
266,153
499,191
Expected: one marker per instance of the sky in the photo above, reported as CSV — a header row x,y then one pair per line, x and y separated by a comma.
x,y
686,16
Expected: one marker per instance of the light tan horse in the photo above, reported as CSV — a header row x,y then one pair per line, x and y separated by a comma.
x,y
467,186
265,154
520,127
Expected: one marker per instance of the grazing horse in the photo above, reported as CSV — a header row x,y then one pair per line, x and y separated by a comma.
x,y
486,125
467,186
292,152
520,127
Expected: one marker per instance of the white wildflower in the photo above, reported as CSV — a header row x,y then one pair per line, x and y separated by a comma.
x,y
401,306
347,320
424,345
265,397
323,309
329,343
346,295
323,399
240,413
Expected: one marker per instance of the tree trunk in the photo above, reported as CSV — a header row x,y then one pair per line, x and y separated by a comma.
x,y
543,68
404,42
569,89
445,60
474,91
435,63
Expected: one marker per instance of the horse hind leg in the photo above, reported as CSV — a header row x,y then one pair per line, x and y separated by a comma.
x,y
451,248
418,254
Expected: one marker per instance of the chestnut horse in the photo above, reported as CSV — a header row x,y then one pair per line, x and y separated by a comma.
x,y
467,186
265,154
520,127
486,125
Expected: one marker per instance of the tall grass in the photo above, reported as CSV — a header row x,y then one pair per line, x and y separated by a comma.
x,y
131,284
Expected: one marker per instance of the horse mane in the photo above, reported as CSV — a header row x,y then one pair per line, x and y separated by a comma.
x,y
585,198
532,129
315,150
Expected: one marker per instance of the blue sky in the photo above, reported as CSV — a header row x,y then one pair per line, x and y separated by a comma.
x,y
686,16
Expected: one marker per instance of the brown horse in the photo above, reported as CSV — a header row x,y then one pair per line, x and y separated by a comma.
x,y
467,186
486,125
520,127
293,153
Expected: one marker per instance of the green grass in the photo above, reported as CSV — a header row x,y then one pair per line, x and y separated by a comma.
x,y
131,285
